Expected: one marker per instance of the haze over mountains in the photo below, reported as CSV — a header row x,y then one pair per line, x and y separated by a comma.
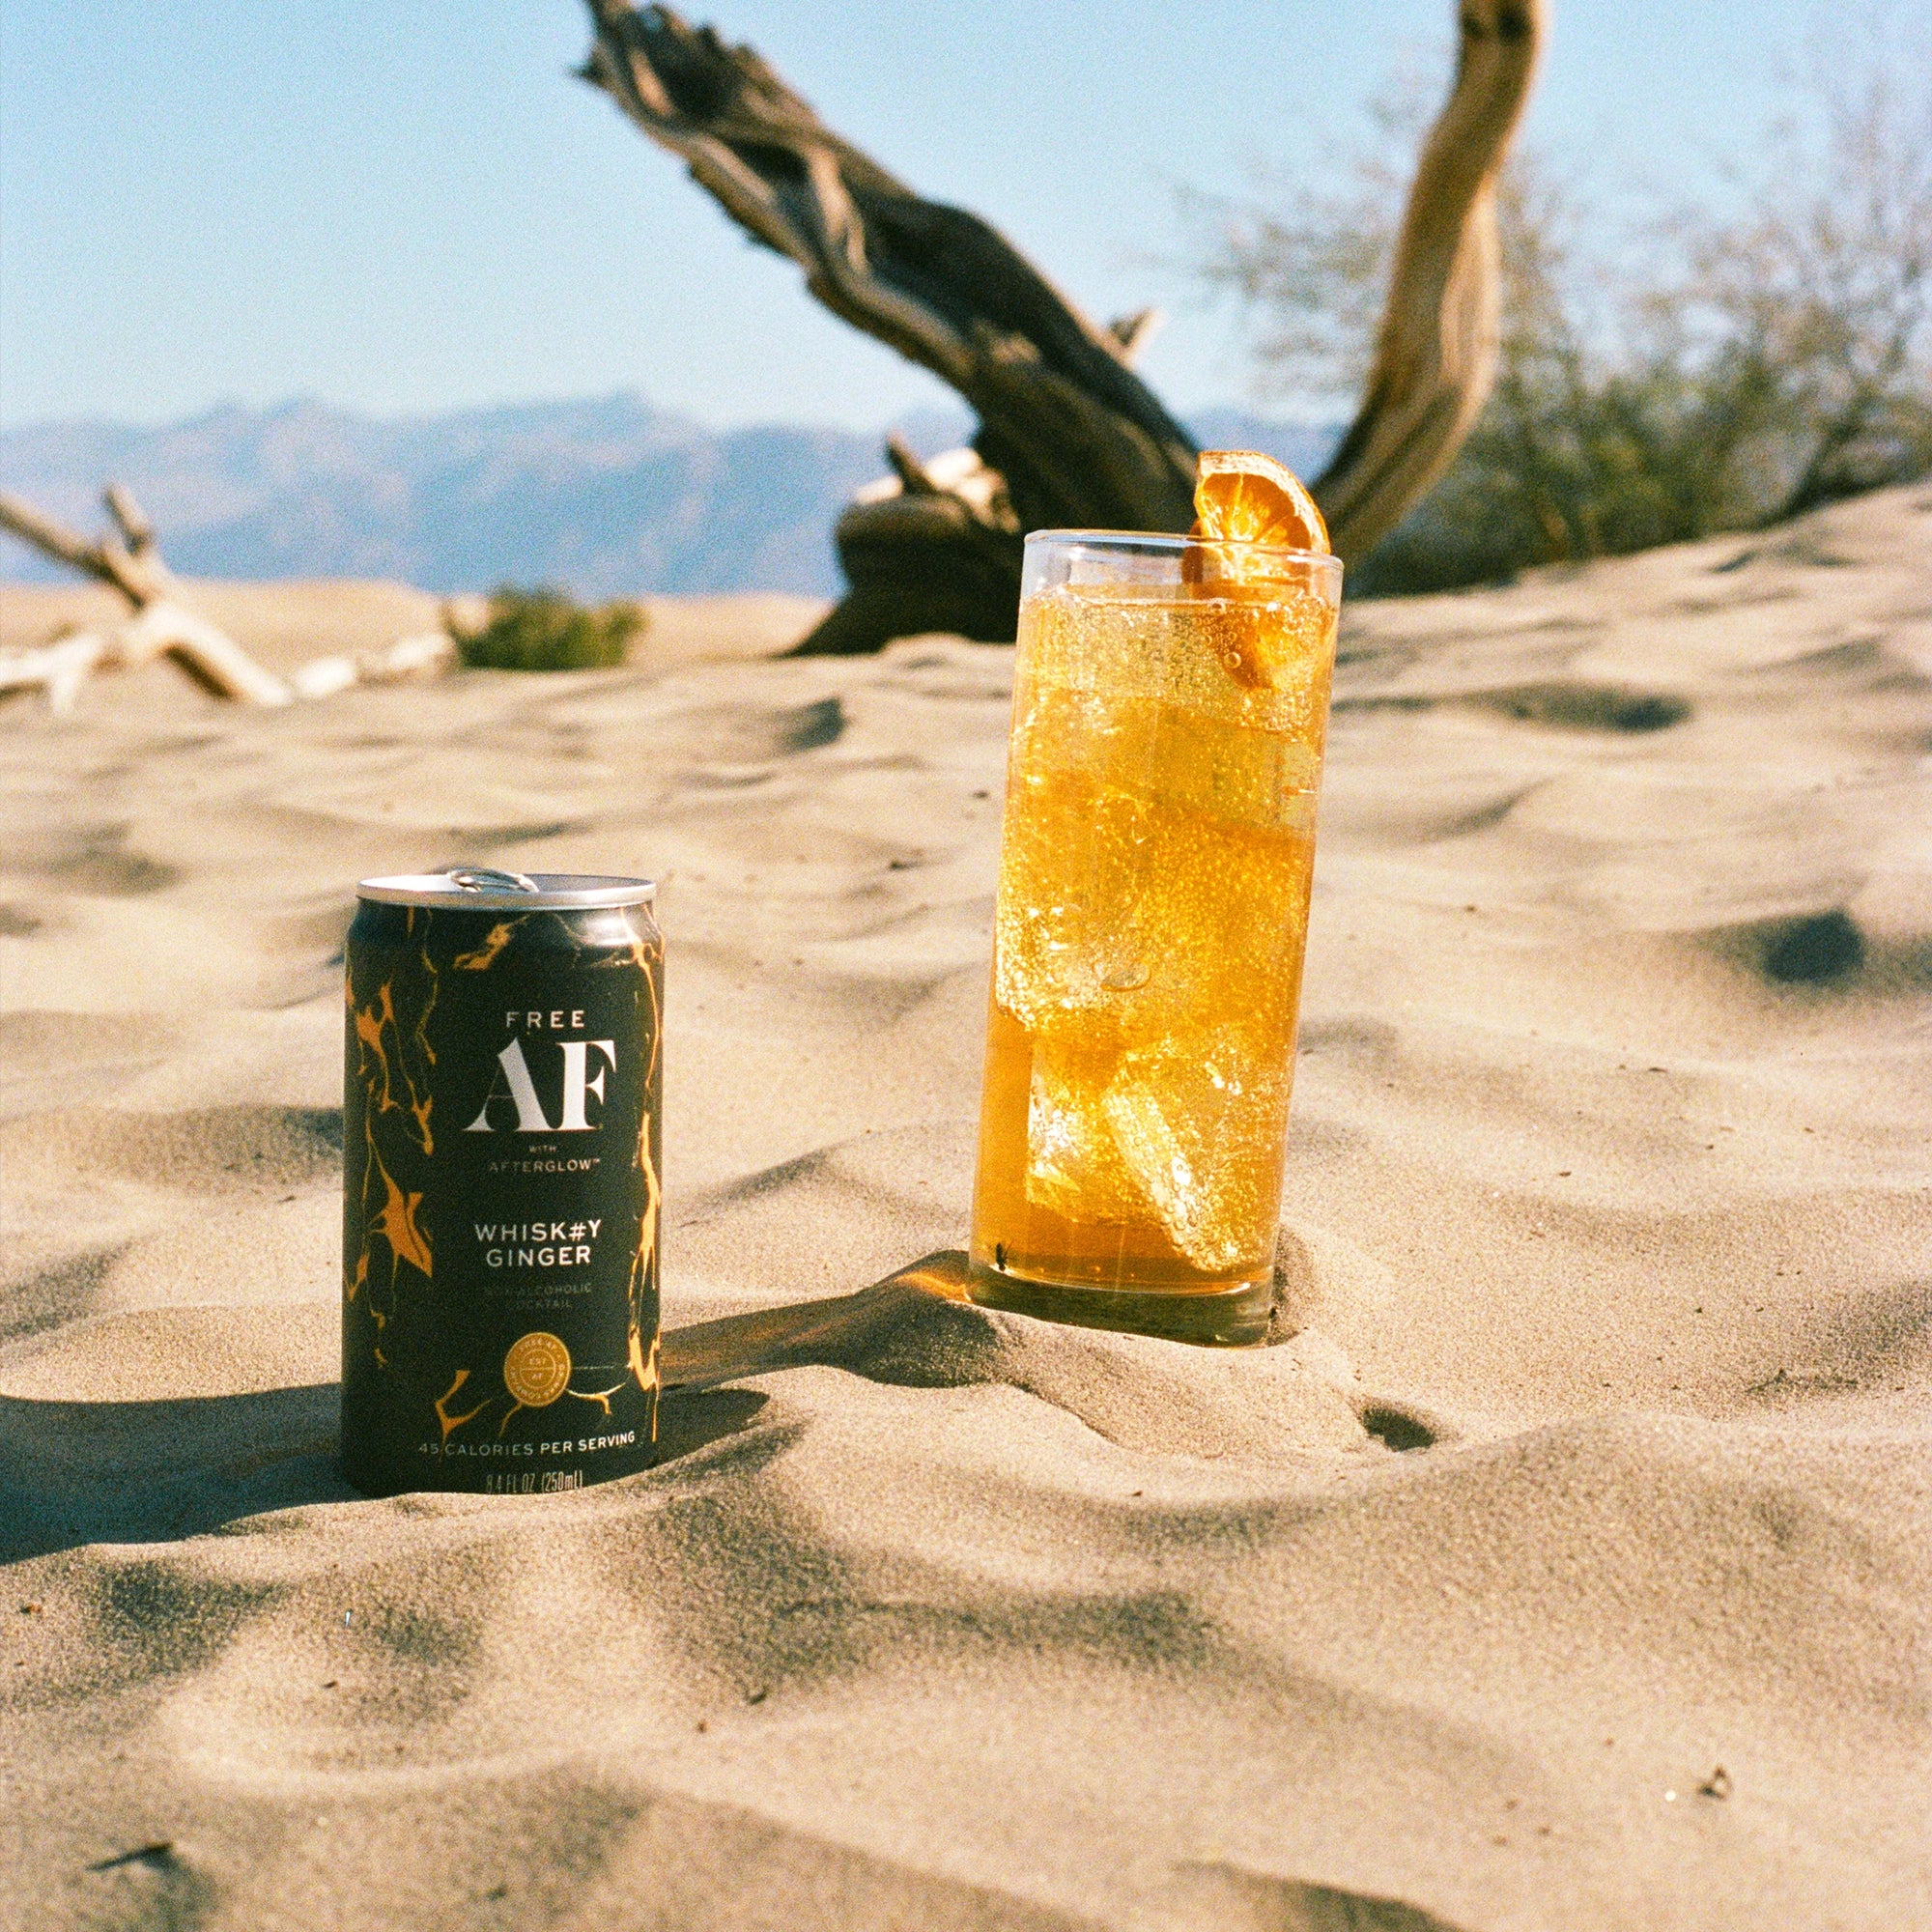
x,y
606,497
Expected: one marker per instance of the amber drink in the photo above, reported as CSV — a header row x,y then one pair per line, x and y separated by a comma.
x,y
1170,703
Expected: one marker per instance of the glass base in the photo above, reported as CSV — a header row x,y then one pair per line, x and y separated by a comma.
x,y
1230,1317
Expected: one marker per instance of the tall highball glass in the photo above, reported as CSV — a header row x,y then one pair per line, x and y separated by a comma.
x,y
1169,705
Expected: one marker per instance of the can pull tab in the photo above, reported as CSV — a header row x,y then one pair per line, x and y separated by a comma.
x,y
483,879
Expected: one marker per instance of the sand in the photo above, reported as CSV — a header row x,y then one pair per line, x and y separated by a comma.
x,y
1567,1562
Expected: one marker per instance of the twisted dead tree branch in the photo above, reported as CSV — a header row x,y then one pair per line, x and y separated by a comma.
x,y
131,562
1436,355
1068,436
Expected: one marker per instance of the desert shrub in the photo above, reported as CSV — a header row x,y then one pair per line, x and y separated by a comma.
x,y
546,630
1711,370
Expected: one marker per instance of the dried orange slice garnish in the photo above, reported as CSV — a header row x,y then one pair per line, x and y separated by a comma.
x,y
1243,496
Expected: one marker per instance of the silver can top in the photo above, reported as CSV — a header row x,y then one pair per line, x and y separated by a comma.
x,y
480,889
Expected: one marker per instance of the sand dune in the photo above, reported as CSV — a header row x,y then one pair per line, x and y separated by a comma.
x,y
1567,1562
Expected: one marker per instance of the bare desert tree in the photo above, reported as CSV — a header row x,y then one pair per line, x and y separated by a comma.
x,y
1069,435
1307,262
1723,370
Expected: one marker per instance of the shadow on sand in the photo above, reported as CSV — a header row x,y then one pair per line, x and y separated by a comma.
x,y
77,1472
153,1471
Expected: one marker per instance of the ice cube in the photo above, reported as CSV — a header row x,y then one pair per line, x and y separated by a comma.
x,y
1072,881
1073,1166
1219,927
1196,1124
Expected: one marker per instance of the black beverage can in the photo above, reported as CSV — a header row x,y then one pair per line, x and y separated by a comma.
x,y
501,1132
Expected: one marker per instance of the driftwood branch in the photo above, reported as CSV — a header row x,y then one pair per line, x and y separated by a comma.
x,y
1133,333
138,574
160,627
129,518
56,671
425,654
206,653
1068,436
163,627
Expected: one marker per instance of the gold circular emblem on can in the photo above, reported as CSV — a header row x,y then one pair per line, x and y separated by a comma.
x,y
537,1370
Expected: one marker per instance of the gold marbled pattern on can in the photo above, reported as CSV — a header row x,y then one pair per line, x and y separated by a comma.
x,y
502,1197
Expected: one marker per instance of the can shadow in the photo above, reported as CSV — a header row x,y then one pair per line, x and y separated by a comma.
x,y
75,1472
80,1473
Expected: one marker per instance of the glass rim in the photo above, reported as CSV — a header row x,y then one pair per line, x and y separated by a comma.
x,y
1172,543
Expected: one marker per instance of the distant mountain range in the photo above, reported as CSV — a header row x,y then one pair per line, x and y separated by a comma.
x,y
608,497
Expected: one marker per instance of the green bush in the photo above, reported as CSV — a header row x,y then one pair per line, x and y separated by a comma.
x,y
545,629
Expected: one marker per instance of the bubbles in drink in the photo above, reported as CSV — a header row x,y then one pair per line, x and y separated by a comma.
x,y
1153,902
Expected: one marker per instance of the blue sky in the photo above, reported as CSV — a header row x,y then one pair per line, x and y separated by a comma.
x,y
405,204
